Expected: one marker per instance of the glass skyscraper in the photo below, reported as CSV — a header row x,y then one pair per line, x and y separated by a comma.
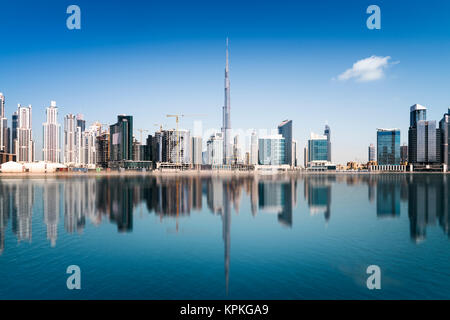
x,y
318,148
272,150
388,146
285,129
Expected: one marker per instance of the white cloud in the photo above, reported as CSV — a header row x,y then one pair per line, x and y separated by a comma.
x,y
368,69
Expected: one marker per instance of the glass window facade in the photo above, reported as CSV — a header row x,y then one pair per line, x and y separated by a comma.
x,y
388,147
318,150
271,150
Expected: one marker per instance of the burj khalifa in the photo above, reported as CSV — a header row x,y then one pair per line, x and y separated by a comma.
x,y
226,123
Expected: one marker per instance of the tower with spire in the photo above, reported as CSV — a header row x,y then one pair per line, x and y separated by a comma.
x,y
226,123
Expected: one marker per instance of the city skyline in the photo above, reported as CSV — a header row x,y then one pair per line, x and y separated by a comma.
x,y
289,67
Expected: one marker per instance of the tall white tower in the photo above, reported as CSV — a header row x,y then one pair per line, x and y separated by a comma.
x,y
70,127
4,137
226,127
24,142
51,145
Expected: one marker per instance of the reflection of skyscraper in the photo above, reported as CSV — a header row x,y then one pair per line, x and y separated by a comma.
x,y
226,226
278,197
50,196
4,213
318,194
426,203
74,214
22,211
388,199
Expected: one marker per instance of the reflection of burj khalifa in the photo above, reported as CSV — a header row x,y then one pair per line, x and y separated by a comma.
x,y
226,124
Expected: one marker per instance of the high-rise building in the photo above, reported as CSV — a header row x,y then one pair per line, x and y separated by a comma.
x,y
51,150
444,126
254,149
4,132
121,142
24,142
89,145
285,129
294,153
176,146
318,148
424,138
237,151
102,148
327,133
196,151
226,127
417,113
70,146
13,133
271,150
81,122
372,153
404,154
214,149
388,146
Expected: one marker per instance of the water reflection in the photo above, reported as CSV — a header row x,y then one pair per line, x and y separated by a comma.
x,y
76,200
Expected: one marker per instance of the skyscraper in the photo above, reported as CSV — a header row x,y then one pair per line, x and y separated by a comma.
x,y
14,126
318,148
372,153
444,126
404,154
423,138
327,133
24,142
254,149
226,127
4,132
214,149
70,151
51,128
121,143
388,146
196,151
285,129
271,150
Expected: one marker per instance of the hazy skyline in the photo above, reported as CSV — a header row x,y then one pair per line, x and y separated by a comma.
x,y
311,62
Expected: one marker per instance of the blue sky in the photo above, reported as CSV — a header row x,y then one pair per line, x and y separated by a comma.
x,y
150,58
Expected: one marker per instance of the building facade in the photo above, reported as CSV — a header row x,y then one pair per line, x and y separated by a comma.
x,y
196,150
24,142
272,150
372,153
121,139
444,126
285,129
214,149
70,140
388,146
51,150
318,148
424,138
4,131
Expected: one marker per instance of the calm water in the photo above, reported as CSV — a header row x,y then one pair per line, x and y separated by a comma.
x,y
225,238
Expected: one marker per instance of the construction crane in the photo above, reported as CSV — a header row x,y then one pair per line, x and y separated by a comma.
x,y
160,125
177,119
141,131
